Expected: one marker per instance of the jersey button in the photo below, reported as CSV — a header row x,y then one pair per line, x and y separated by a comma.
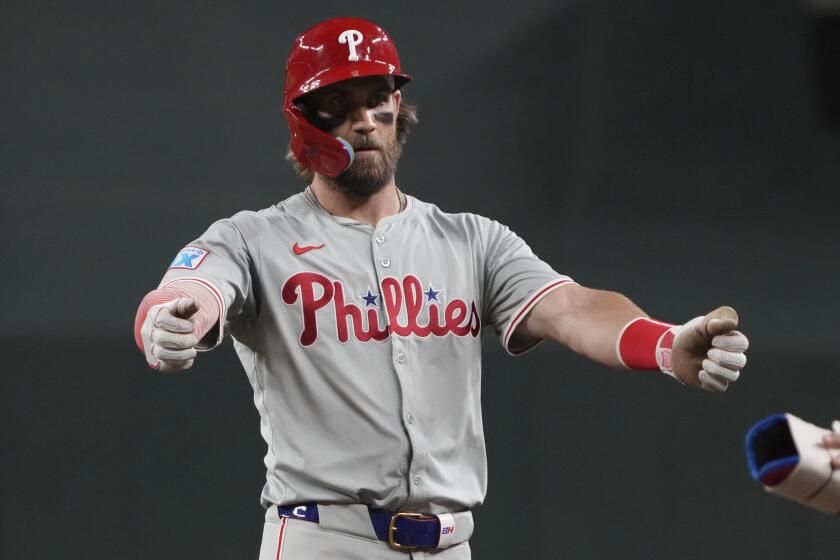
x,y
417,480
409,418
385,262
380,238
401,358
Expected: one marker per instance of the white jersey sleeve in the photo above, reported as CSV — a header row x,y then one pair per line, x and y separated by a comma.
x,y
220,261
515,280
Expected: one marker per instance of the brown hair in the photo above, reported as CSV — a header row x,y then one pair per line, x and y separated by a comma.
x,y
406,119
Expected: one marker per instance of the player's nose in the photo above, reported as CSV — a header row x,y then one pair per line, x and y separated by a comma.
x,y
363,121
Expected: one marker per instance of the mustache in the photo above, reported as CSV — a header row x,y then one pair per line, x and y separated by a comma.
x,y
366,145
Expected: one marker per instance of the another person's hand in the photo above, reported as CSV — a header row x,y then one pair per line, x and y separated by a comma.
x,y
832,441
167,334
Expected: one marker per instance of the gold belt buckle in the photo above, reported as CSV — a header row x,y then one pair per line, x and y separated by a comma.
x,y
392,529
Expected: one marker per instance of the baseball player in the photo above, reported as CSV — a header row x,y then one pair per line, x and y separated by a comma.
x,y
357,309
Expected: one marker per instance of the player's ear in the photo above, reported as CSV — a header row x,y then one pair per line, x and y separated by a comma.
x,y
397,99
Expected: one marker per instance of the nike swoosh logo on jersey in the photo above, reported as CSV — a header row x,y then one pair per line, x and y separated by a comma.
x,y
306,248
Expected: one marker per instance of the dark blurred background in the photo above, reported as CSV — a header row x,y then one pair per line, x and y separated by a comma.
x,y
684,153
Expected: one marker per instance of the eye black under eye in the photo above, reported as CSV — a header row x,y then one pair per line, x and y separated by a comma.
x,y
328,123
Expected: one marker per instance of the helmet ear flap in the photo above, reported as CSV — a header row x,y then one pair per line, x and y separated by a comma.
x,y
309,114
315,149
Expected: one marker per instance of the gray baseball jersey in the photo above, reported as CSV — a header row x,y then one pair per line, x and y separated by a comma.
x,y
363,345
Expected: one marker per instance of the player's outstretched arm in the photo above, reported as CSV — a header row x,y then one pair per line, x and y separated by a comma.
x,y
171,324
706,352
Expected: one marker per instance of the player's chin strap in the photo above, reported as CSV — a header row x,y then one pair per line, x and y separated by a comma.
x,y
786,454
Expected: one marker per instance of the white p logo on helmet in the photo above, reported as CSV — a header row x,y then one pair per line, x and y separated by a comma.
x,y
351,38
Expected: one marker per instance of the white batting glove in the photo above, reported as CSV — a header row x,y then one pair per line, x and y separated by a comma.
x,y
706,352
167,333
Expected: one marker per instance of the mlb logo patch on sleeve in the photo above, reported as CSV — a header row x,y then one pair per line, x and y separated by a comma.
x,y
189,257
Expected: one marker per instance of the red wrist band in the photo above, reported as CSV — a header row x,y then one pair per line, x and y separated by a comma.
x,y
638,341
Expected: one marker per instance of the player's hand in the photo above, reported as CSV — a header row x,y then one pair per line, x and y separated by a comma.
x,y
832,441
167,333
708,352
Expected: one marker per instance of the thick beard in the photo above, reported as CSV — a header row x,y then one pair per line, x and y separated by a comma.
x,y
367,176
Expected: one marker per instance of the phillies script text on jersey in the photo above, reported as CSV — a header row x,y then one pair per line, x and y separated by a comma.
x,y
457,318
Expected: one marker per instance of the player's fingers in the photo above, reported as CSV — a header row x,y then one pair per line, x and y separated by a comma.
x,y
731,360
711,383
166,354
174,366
720,321
836,426
174,341
166,320
717,327
183,307
720,372
733,341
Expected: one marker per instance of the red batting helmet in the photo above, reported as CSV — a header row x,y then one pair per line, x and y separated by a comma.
x,y
334,50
